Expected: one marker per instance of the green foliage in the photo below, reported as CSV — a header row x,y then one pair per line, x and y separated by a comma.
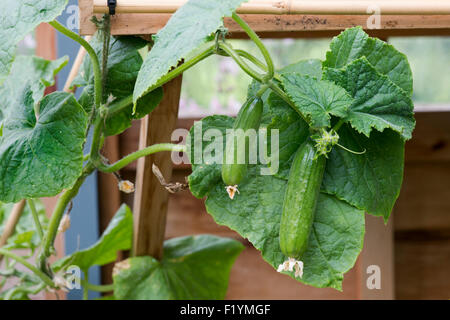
x,y
317,99
205,176
363,84
379,103
124,63
255,214
41,155
354,43
370,181
194,267
353,90
28,71
191,26
17,19
116,237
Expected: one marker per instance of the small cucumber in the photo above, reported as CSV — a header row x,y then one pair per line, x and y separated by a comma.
x,y
249,117
300,200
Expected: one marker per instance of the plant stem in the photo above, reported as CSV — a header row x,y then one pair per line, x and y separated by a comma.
x,y
37,223
182,68
142,153
119,105
272,85
106,31
246,55
244,66
29,290
254,37
261,90
46,279
85,286
58,212
338,125
95,63
97,136
99,288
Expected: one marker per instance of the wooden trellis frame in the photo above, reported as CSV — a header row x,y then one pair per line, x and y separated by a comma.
x,y
151,199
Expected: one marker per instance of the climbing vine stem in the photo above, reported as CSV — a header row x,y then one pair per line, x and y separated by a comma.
x,y
242,64
91,52
46,279
58,212
142,153
37,223
254,37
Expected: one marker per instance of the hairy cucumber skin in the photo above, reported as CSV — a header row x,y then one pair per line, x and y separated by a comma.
x,y
249,117
300,200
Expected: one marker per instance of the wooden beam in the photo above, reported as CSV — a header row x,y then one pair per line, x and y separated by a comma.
x,y
287,7
151,199
276,26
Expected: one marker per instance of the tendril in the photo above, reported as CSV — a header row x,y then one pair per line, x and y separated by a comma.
x,y
351,151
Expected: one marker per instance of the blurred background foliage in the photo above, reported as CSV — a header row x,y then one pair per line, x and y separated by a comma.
x,y
218,86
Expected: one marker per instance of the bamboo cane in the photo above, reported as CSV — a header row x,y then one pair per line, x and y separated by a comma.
x,y
338,7
11,223
75,68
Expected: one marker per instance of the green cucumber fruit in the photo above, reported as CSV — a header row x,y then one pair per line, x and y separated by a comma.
x,y
249,117
300,200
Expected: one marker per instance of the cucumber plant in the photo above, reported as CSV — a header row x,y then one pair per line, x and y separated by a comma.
x,y
342,124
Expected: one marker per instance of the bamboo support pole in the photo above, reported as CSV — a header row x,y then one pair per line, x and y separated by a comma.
x,y
11,223
277,7
75,67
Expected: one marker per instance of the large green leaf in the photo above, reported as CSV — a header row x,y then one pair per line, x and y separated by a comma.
x,y
25,235
370,181
292,132
335,240
354,43
124,63
379,103
41,157
28,71
255,213
194,267
318,100
118,236
187,29
17,19
309,67
204,177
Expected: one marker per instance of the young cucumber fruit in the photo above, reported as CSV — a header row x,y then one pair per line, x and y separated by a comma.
x,y
249,117
300,200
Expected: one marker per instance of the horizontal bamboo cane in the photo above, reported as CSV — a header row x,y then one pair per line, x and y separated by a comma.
x,y
338,7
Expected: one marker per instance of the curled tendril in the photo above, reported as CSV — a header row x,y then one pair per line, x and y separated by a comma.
x,y
220,35
325,140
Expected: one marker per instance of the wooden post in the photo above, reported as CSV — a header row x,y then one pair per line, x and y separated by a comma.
x,y
151,199
377,260
109,199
